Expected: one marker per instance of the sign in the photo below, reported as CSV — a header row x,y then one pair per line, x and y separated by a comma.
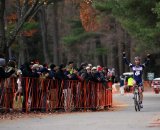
x,y
150,76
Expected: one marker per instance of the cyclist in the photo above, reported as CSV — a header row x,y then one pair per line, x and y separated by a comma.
x,y
137,69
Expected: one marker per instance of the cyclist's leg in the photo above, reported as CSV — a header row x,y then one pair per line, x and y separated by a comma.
x,y
141,93
134,84
141,89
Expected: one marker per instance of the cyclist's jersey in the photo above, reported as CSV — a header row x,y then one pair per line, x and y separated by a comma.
x,y
137,70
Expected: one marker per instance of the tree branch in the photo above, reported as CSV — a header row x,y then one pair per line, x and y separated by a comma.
x,y
20,24
26,15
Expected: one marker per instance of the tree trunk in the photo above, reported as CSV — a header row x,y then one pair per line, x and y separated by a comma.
x,y
121,49
42,19
21,59
98,45
2,27
55,35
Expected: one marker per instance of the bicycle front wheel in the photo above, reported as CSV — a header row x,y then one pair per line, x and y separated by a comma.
x,y
136,102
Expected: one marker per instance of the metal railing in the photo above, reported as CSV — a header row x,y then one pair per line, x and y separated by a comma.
x,y
48,95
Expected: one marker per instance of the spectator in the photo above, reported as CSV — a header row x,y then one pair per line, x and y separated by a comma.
x,y
105,72
6,87
9,72
19,80
101,76
34,90
52,73
35,71
90,66
122,82
29,70
111,75
43,70
70,67
82,68
87,75
130,84
95,75
61,77
100,71
17,96
26,70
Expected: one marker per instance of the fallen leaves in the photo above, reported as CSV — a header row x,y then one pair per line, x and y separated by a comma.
x,y
155,123
18,115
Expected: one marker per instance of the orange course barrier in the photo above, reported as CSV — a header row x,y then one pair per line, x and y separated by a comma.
x,y
7,90
45,95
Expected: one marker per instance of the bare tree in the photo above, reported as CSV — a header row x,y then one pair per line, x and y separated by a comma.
x,y
27,9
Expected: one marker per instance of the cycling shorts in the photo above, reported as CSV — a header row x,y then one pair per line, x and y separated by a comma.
x,y
140,84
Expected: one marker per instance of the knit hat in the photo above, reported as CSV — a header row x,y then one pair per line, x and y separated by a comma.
x,y
83,64
35,66
11,63
90,65
99,68
70,62
94,68
2,61
87,67
61,66
52,66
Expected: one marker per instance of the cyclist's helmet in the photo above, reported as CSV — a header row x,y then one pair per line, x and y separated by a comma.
x,y
137,58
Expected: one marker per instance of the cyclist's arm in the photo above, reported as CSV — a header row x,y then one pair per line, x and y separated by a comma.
x,y
146,61
126,61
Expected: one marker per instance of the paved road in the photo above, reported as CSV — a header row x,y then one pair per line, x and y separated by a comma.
x,y
124,118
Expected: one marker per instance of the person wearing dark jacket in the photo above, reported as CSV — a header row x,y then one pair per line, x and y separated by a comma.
x,y
74,75
87,76
82,68
35,87
96,75
61,77
4,75
52,73
102,77
60,73
28,71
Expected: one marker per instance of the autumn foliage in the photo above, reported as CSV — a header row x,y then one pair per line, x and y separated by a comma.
x,y
11,18
88,16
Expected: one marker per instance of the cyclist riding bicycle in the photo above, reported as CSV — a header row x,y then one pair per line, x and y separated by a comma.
x,y
137,69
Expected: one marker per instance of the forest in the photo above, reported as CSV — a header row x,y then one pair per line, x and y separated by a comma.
x,y
92,31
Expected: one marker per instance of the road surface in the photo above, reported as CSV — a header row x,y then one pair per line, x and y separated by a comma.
x,y
123,118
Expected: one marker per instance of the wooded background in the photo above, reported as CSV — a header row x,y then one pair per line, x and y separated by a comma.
x,y
92,31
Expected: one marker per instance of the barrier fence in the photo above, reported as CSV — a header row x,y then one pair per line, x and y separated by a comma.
x,y
48,95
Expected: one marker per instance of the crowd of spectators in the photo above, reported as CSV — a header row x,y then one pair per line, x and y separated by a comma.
x,y
68,72
33,69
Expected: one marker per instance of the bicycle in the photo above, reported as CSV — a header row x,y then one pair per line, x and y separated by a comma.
x,y
137,98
